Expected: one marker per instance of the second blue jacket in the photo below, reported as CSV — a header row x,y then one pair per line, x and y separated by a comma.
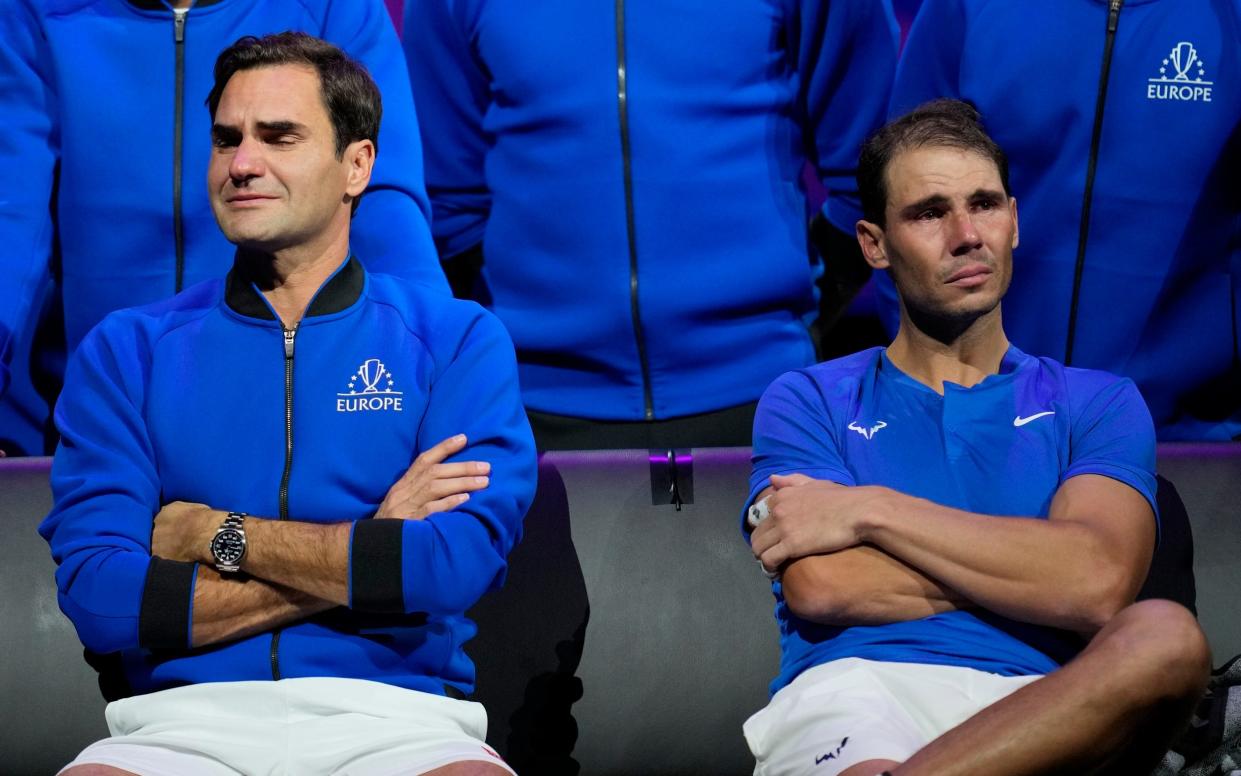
x,y
204,398
632,172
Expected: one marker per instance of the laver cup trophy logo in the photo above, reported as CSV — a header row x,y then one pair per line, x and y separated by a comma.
x,y
370,372
371,389
1182,77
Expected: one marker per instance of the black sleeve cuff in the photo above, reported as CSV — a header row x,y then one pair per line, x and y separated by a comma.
x,y
375,566
164,620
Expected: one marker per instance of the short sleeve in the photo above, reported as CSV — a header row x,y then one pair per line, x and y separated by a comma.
x,y
1113,435
794,434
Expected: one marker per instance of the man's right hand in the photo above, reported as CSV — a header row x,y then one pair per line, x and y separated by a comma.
x,y
431,486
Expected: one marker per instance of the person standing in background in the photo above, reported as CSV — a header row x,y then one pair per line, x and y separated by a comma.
x,y
628,179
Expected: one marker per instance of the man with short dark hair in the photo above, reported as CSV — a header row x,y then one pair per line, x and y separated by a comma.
x,y
957,530
107,210
231,545
1121,121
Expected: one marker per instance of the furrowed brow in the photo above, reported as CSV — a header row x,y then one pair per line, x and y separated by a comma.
x,y
935,200
281,126
991,194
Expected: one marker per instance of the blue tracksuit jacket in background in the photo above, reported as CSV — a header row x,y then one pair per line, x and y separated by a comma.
x,y
1162,260
631,170
198,398
88,91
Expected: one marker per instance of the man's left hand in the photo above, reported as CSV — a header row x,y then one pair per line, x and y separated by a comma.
x,y
810,517
183,531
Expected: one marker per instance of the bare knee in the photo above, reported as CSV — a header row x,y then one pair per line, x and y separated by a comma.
x,y
1164,643
869,768
94,769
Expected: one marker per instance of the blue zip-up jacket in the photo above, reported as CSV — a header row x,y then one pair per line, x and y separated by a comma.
x,y
91,163
1161,266
632,172
196,398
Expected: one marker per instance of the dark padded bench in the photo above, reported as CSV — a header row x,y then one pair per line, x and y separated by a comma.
x,y
631,637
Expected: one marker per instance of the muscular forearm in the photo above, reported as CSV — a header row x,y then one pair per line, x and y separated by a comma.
x,y
1073,570
316,558
237,606
1063,573
863,586
312,558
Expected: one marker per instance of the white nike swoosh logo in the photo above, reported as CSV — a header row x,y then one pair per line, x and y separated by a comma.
x,y
1020,421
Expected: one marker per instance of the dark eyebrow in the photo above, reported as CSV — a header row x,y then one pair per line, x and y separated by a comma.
x,y
992,194
281,126
940,201
935,200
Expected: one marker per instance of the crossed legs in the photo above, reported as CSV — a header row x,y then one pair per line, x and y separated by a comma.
x,y
1113,710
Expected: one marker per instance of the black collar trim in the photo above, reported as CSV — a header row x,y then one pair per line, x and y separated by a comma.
x,y
340,291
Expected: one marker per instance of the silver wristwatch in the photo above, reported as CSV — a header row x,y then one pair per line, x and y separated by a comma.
x,y
228,546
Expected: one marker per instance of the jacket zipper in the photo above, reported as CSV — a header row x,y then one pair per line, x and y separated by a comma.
x,y
622,101
178,112
289,335
1083,232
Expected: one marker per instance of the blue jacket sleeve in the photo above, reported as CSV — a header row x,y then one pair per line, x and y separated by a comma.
x,y
392,225
443,564
846,55
106,492
28,154
452,91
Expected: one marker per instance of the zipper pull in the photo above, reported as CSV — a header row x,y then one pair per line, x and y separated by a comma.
x,y
178,24
1113,14
288,342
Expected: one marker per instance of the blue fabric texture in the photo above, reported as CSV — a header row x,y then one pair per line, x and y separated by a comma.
x,y
184,400
1158,300
725,104
87,90
859,420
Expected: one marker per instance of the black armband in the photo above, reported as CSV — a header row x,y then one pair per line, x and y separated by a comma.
x,y
164,619
375,566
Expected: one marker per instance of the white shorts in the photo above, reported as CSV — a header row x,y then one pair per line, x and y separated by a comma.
x,y
845,712
292,726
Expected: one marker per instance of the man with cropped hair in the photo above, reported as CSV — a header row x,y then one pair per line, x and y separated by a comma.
x,y
277,493
99,101
957,530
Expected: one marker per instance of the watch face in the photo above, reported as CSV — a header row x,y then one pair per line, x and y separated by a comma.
x,y
228,546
